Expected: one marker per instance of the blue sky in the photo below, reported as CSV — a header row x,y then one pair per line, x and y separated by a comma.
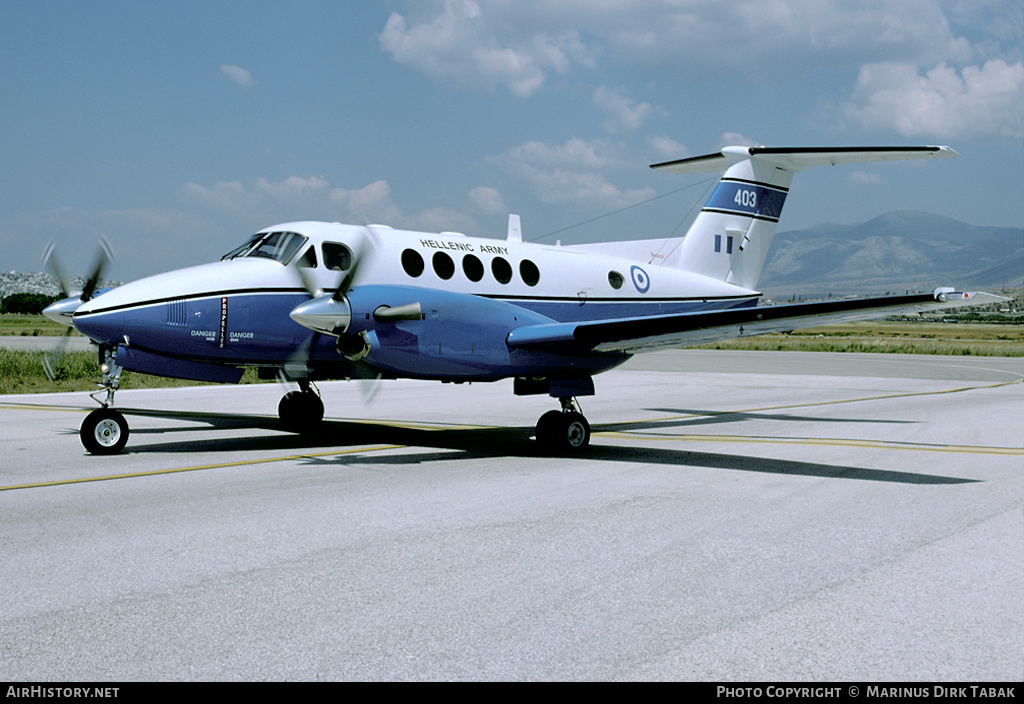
x,y
178,128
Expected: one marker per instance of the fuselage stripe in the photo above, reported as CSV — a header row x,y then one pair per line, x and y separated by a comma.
x,y
514,299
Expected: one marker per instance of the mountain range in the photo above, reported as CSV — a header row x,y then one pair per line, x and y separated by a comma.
x,y
899,250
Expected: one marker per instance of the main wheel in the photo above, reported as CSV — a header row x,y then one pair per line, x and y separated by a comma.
x,y
300,411
575,432
104,432
563,432
547,429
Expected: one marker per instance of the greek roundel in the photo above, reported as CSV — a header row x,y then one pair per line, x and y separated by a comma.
x,y
641,280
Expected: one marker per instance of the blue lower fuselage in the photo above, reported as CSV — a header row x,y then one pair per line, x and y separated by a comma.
x,y
460,338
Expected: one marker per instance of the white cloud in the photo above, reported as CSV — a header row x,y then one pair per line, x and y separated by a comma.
x,y
862,178
735,139
472,48
488,200
986,100
570,173
624,113
295,197
293,188
668,148
265,202
371,203
238,75
489,43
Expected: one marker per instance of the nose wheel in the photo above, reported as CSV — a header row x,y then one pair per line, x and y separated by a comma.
x,y
563,432
104,432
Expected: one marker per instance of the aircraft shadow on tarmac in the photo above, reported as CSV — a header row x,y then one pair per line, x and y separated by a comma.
x,y
688,418
470,443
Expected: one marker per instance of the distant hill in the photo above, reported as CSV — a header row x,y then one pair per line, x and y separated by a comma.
x,y
12,282
900,250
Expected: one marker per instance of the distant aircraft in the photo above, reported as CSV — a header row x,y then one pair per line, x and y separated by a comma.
x,y
310,301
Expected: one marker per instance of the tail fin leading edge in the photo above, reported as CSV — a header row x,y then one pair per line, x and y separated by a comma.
x,y
730,237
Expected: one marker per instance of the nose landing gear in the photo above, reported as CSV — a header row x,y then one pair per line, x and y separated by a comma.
x,y
105,431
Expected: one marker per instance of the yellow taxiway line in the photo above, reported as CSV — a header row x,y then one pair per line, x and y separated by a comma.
x,y
199,468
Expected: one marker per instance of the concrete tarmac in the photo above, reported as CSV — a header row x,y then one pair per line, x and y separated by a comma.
x,y
762,516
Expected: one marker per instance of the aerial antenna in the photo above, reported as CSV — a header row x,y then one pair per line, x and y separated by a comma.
x,y
621,210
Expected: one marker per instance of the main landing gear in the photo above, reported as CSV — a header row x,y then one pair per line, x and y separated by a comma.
x,y
564,431
302,410
105,431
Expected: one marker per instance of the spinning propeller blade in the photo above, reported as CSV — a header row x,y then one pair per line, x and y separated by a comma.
x,y
61,312
299,364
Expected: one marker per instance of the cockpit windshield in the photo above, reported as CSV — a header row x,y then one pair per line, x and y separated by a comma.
x,y
279,246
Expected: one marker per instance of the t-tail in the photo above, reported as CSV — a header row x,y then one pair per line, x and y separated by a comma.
x,y
729,239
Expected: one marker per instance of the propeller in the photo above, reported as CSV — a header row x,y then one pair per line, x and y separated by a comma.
x,y
51,261
298,365
62,310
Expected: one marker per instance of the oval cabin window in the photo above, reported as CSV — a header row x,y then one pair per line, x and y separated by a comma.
x,y
502,270
443,265
529,271
412,262
472,267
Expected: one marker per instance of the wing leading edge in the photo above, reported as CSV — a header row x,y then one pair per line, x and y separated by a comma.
x,y
633,335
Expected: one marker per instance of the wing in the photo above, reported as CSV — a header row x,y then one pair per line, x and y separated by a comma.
x,y
658,332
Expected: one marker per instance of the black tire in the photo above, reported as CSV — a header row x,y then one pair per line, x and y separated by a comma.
x,y
104,432
300,411
547,429
564,433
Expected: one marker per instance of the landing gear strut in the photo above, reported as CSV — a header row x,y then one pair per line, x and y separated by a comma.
x,y
564,431
105,431
302,410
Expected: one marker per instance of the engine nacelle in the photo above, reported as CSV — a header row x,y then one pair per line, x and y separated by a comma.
x,y
420,332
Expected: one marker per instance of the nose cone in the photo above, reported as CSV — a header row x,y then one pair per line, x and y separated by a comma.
x,y
62,311
102,318
105,328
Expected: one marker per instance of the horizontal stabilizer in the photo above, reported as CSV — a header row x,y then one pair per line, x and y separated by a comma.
x,y
800,158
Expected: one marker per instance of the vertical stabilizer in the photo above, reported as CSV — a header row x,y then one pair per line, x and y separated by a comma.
x,y
730,238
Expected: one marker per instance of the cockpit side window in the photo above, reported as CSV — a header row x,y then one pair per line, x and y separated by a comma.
x,y
240,251
337,257
279,246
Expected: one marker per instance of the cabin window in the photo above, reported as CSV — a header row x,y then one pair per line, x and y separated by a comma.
x,y
444,267
529,271
337,257
718,243
412,262
615,280
501,269
472,267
